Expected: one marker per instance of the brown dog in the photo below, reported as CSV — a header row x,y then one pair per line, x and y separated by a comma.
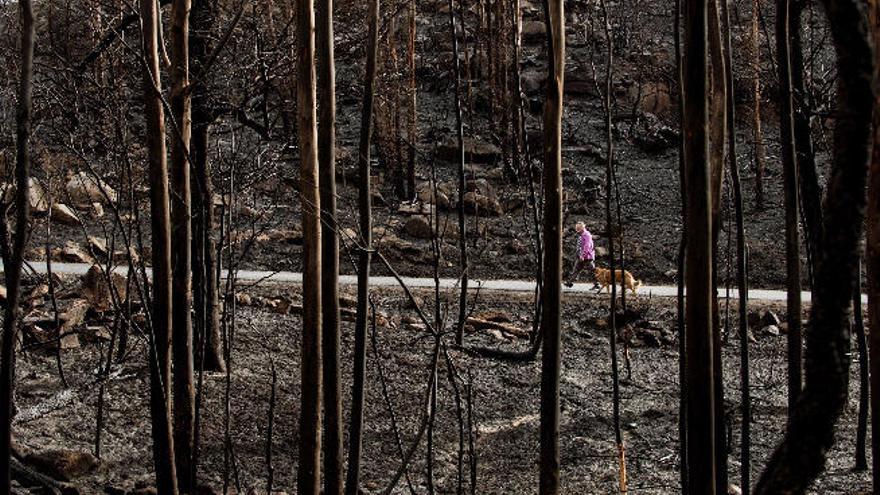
x,y
603,278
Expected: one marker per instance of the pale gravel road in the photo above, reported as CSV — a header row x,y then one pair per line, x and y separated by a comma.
x,y
493,285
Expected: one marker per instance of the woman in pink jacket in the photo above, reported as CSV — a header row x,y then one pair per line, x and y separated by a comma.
x,y
586,254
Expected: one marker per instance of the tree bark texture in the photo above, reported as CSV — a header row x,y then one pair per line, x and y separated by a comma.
x,y
329,248
160,224
801,456
550,322
14,259
206,300
352,480
309,475
872,261
462,185
698,260
790,172
181,243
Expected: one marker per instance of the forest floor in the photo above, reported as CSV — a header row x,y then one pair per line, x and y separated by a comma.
x,y
505,401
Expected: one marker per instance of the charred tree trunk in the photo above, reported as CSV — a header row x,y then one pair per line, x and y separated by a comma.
x,y
792,237
800,457
352,480
205,286
14,259
550,322
864,378
462,185
329,248
607,99
160,347
516,101
209,351
309,475
412,123
718,138
717,116
872,262
741,276
741,280
181,238
525,167
684,471
757,132
699,345
807,175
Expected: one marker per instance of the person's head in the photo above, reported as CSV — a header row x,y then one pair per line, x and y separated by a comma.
x,y
580,227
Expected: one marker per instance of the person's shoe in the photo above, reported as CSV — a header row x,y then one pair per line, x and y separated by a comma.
x,y
568,283
596,286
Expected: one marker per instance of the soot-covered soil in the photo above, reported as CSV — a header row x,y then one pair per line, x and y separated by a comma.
x,y
505,403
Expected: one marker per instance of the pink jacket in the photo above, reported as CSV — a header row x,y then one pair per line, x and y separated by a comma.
x,y
586,251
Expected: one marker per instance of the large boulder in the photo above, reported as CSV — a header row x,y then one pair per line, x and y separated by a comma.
x,y
480,186
480,198
770,318
475,151
495,174
530,8
533,81
652,97
482,205
62,214
120,256
40,331
85,189
575,84
286,236
389,241
427,195
37,197
418,227
72,252
73,315
96,290
771,330
534,32
97,210
98,245
95,334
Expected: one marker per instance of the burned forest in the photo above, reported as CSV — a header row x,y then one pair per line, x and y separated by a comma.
x,y
439,246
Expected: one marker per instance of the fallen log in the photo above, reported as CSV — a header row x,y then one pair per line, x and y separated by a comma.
x,y
483,324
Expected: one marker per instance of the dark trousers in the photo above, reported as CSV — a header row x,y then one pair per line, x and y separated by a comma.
x,y
579,266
